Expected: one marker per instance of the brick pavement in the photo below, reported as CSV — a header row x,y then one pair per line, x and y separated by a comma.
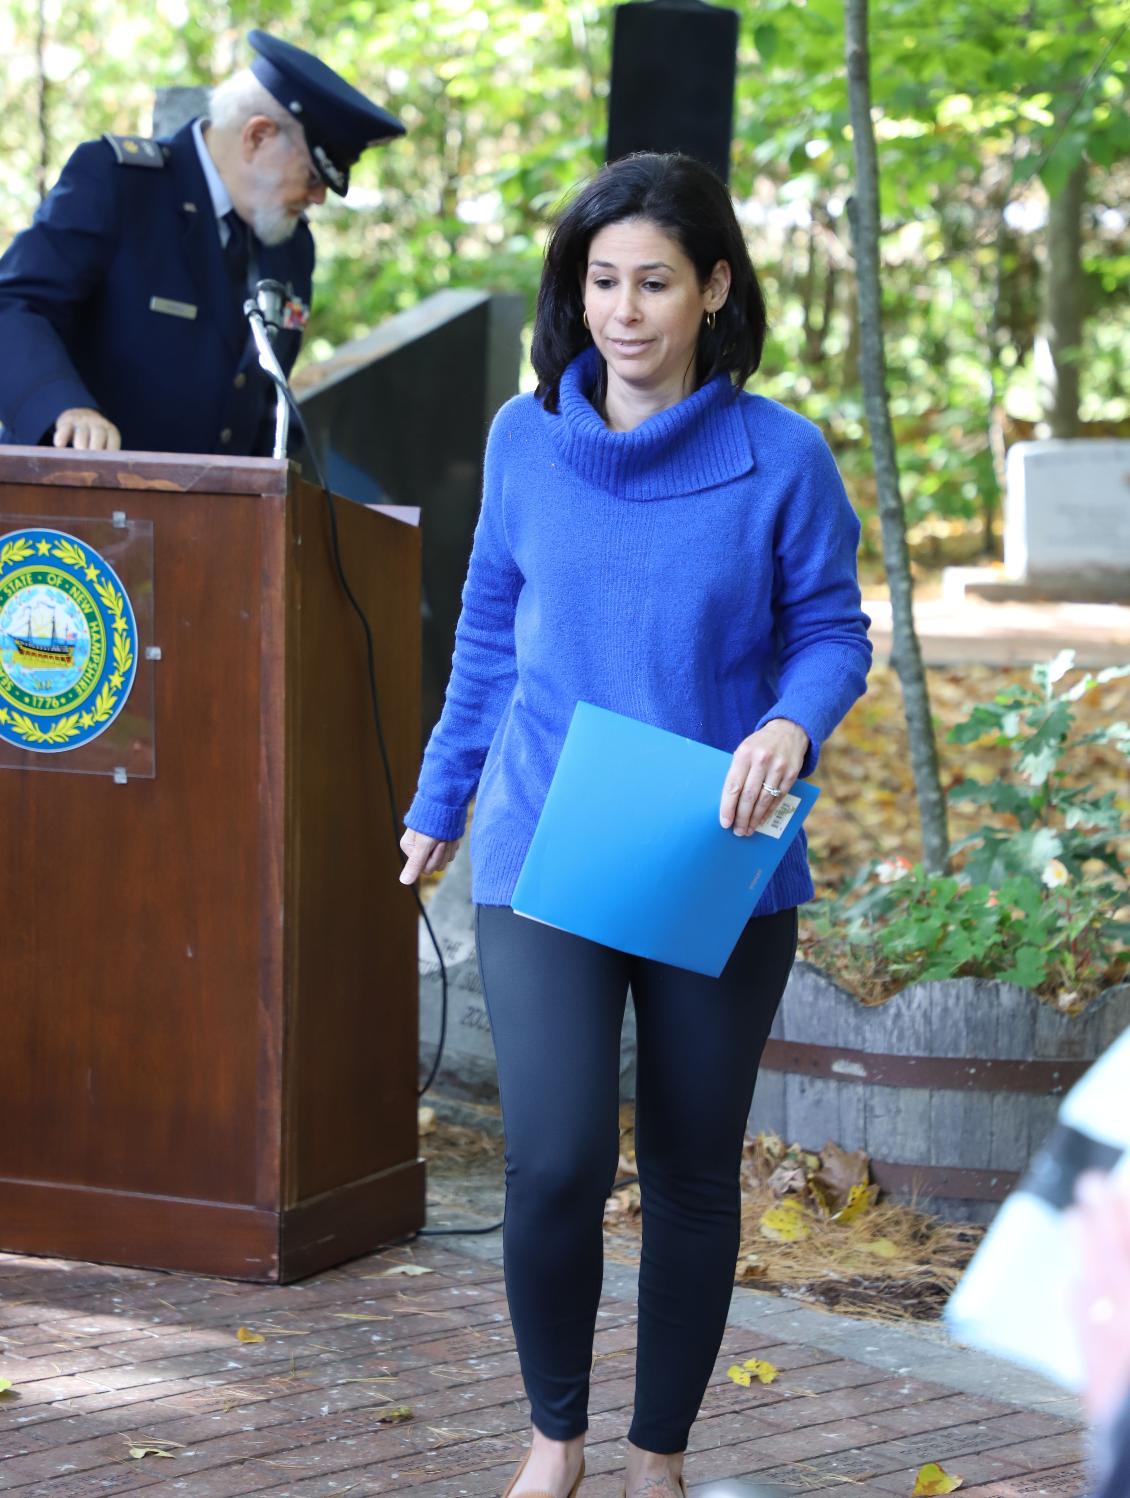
x,y
101,1358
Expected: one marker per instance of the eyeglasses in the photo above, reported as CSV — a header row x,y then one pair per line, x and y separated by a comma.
x,y
297,140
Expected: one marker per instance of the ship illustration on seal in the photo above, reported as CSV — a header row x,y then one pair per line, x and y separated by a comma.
x,y
39,649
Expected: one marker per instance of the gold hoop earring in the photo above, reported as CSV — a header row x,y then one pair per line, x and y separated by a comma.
x,y
585,318
711,319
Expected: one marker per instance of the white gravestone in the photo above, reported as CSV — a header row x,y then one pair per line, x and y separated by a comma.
x,y
1067,510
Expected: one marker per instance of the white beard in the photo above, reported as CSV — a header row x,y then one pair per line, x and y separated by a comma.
x,y
272,223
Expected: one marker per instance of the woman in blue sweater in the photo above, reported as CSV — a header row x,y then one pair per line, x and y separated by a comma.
x,y
658,542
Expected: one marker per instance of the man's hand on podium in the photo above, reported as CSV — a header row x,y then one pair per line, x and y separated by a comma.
x,y
85,428
425,855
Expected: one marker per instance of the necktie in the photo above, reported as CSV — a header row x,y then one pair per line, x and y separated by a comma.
x,y
236,251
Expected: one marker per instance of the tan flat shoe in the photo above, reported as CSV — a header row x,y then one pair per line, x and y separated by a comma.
x,y
513,1483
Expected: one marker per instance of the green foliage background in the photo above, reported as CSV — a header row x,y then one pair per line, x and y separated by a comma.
x,y
981,112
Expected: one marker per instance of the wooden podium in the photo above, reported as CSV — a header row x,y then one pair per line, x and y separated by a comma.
x,y
208,1058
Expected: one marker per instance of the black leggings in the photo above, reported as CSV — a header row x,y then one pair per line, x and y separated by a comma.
x,y
556,1005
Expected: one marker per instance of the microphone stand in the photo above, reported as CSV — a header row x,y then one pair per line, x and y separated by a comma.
x,y
268,362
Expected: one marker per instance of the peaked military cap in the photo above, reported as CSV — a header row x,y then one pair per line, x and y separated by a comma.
x,y
338,121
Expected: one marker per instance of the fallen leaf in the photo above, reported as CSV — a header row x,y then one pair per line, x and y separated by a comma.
x,y
933,1480
359,1316
882,1248
859,1199
245,1334
739,1375
840,1173
386,1274
788,1178
5,1387
394,1415
152,1446
784,1223
762,1154
765,1373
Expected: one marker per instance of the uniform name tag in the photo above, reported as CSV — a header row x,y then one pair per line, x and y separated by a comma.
x,y
174,309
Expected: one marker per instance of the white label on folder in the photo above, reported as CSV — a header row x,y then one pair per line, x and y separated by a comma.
x,y
782,815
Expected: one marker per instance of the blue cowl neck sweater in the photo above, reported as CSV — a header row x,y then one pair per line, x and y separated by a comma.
x,y
697,573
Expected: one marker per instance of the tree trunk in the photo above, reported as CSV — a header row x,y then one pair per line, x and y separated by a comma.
x,y
1062,332
829,309
41,101
849,371
906,657
808,295
994,375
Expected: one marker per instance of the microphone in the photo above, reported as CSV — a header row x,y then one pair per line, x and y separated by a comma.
x,y
264,311
271,299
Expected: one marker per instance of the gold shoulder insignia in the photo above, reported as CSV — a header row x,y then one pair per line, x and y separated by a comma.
x,y
135,150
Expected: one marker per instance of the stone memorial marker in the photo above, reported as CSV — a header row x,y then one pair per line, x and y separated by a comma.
x,y
1067,513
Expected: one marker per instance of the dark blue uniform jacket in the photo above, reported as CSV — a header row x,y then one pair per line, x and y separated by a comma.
x,y
85,319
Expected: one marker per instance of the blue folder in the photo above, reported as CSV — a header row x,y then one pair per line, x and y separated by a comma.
x,y
629,851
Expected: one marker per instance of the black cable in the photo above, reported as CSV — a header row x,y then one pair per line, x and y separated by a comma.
x,y
370,661
374,700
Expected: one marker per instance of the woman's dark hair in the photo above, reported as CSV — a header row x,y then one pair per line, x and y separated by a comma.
x,y
686,200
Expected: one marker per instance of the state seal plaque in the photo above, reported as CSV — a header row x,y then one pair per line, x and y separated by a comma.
x,y
68,641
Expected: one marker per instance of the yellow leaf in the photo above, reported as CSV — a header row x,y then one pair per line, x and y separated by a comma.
x,y
739,1375
882,1248
137,1452
932,1481
400,1269
784,1223
764,1372
245,1334
394,1415
859,1199
5,1386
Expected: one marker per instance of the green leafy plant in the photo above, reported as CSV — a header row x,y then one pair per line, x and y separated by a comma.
x,y
1051,819
1039,895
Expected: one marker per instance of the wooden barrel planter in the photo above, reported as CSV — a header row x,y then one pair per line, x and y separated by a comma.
x,y
949,1087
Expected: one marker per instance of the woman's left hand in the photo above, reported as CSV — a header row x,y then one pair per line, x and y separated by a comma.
x,y
770,757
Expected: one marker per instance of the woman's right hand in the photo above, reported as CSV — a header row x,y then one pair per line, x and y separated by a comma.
x,y
425,855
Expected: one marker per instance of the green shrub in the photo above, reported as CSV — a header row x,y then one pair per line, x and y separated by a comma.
x,y
1039,894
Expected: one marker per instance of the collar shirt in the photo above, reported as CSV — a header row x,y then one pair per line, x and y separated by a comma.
x,y
221,198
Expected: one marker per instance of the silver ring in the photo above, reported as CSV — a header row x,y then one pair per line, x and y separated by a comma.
x,y
772,790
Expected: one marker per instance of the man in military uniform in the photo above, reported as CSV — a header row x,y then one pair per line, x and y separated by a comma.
x,y
121,307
